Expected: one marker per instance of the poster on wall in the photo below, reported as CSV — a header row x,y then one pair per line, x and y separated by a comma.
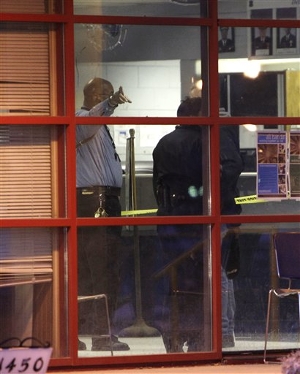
x,y
272,170
294,161
278,164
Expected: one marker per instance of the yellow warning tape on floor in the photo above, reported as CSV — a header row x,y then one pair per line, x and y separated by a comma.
x,y
252,199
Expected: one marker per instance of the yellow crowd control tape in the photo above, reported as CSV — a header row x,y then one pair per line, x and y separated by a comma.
x,y
238,200
252,199
138,212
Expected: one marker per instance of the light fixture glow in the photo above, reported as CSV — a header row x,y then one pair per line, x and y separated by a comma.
x,y
250,127
252,69
196,88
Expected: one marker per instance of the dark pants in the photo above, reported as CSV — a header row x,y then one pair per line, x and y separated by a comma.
x,y
181,322
98,264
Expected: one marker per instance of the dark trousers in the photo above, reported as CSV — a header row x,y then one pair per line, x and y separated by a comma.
x,y
98,264
181,297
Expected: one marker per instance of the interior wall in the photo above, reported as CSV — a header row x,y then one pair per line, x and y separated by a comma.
x,y
154,87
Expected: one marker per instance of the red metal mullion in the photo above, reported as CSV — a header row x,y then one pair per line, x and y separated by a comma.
x,y
35,222
144,120
147,21
33,120
144,221
260,120
37,18
213,54
71,182
232,22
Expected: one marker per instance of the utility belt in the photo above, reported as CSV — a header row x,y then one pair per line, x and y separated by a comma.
x,y
102,192
169,197
99,190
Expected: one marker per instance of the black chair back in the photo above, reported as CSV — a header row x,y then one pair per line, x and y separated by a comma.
x,y
287,249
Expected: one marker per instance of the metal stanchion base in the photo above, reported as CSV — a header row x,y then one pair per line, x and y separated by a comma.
x,y
139,329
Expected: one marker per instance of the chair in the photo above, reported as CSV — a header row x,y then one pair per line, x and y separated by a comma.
x,y
81,299
287,256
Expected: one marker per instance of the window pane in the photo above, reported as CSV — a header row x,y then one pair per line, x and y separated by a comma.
x,y
257,274
157,66
149,8
29,172
163,295
259,78
32,304
268,173
183,172
24,69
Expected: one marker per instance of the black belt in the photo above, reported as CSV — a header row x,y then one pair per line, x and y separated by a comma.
x,y
105,190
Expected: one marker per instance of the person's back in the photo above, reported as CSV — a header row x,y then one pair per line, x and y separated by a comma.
x,y
177,182
178,164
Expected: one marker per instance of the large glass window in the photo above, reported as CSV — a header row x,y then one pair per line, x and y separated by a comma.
x,y
151,235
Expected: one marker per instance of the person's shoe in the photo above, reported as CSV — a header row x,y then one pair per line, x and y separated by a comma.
x,y
102,344
228,341
81,346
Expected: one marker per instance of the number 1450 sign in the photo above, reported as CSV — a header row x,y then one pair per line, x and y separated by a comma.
x,y
24,360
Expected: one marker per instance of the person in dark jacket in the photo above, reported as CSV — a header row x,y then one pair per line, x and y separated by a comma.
x,y
231,168
178,186
177,183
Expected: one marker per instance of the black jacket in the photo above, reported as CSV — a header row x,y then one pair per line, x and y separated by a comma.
x,y
178,164
231,168
177,159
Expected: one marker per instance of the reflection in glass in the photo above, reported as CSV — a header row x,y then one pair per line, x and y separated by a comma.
x,y
162,298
